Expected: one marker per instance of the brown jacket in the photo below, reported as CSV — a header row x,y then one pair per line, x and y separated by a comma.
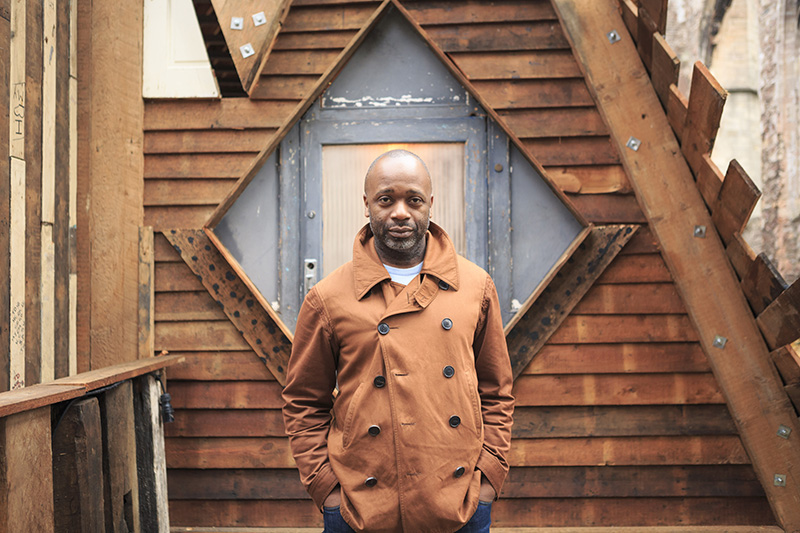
x,y
424,399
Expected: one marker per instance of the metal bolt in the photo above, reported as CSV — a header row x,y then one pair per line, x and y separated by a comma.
x,y
311,214
720,341
700,232
498,167
784,431
634,144
237,23
247,50
779,480
259,19
613,36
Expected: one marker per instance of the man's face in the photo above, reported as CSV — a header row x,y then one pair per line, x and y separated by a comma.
x,y
398,201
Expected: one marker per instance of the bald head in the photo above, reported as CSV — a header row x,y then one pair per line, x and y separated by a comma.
x,y
397,154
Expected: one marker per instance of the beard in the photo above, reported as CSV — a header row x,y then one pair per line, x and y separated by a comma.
x,y
411,242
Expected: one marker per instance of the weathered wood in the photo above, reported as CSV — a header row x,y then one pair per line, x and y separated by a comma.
x,y
236,484
26,472
737,199
185,306
220,366
163,218
509,94
573,151
299,62
667,193
558,122
537,35
223,165
35,396
665,68
225,394
163,250
78,468
618,358
473,11
642,243
609,208
221,452
657,10
709,181
146,294
527,333
5,194
780,321
122,371
740,255
120,485
313,40
630,16
601,179
638,268
483,65
226,423
633,299
264,332
226,113
211,140
290,87
326,18
150,456
787,362
267,513
169,192
706,100
793,392
175,277
646,28
762,283
677,106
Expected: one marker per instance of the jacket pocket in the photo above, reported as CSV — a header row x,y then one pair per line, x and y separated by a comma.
x,y
476,403
347,429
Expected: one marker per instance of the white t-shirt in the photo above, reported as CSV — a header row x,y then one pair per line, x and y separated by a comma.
x,y
403,275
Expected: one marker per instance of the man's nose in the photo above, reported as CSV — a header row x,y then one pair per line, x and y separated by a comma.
x,y
400,211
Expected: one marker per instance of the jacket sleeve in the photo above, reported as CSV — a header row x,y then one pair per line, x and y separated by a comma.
x,y
308,397
493,368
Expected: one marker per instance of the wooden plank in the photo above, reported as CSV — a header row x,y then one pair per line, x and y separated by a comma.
x,y
557,122
646,28
531,328
510,94
77,468
788,364
163,250
26,472
35,396
164,218
709,181
225,394
618,358
169,192
227,423
473,11
146,294
737,199
313,40
297,86
17,251
665,68
202,141
268,513
120,485
119,372
175,277
609,208
262,452
706,100
633,299
617,389
225,113
185,306
630,16
677,106
657,10
194,336
220,165
327,18
537,35
236,484
762,283
780,321
300,62
642,243
220,366
5,193
545,64
667,193
73,190
150,456
600,179
264,332
563,151
740,255
638,268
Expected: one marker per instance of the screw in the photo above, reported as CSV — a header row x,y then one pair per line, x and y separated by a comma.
x,y
779,480
784,431
613,36
720,341
634,144
700,232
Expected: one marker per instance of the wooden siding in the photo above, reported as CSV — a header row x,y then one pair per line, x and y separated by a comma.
x,y
619,420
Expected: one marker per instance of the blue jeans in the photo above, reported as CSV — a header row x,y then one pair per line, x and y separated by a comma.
x,y
479,523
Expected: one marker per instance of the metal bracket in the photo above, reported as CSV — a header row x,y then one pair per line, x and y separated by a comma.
x,y
613,36
237,23
700,232
634,144
309,274
720,341
259,18
247,50
784,431
779,480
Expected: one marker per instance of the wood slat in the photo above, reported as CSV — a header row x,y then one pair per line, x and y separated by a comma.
x,y
175,277
313,40
657,9
509,94
223,452
146,294
609,208
226,423
735,203
168,192
638,268
646,28
218,165
706,100
762,283
740,255
630,16
787,361
226,394
545,35
709,181
35,396
163,218
517,65
300,61
213,366
644,242
193,336
618,358
780,321
185,306
677,106
665,68
563,151
235,484
225,113
5,197
473,11
597,179
555,122
624,328
163,250
326,18
212,140
296,86
633,299
105,376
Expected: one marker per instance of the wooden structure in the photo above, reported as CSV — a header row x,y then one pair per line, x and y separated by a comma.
x,y
656,384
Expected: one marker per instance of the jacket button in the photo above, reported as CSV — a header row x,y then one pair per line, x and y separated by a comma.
x,y
371,482
374,430
443,285
379,381
455,421
459,472
383,328
448,371
447,323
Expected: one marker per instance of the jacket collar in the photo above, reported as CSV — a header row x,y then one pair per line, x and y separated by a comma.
x,y
440,260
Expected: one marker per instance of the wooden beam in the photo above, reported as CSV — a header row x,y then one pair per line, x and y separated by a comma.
x,y
146,293
73,189
737,199
666,191
223,278
35,396
780,321
5,192
706,100
150,457
112,374
527,333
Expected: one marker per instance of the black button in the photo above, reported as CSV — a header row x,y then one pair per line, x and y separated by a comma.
x,y
447,323
443,285
371,482
383,328
459,471
374,430
379,381
448,371
455,421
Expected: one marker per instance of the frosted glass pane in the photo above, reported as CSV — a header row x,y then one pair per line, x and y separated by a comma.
x,y
343,169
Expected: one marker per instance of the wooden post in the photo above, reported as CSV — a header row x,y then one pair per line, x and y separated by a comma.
x,y
5,184
146,293
78,468
26,472
150,456
73,189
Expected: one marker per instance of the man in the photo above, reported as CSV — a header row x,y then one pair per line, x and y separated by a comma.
x,y
410,336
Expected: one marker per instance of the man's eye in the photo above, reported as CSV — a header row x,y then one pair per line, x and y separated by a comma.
x,y
415,201
384,199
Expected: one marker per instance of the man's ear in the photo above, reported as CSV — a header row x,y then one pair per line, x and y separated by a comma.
x,y
366,207
430,211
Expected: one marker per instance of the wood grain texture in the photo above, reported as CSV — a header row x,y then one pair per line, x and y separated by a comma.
x,y
5,196
225,113
663,183
787,361
740,255
150,455
475,12
665,68
706,100
38,395
103,377
146,294
527,333
220,366
737,199
780,320
618,358
762,283
507,36
709,181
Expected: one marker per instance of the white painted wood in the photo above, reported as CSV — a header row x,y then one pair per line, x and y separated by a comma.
x,y
16,112
175,62
73,220
17,274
